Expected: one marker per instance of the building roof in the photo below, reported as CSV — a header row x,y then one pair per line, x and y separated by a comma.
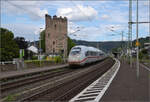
x,y
33,49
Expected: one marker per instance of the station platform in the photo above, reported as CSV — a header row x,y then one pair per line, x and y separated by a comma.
x,y
29,71
126,87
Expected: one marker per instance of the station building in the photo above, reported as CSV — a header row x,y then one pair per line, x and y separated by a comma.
x,y
147,46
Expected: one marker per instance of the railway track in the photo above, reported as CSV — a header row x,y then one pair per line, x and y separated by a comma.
x,y
70,85
9,86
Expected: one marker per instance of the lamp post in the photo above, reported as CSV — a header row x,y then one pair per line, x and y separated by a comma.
x,y
149,21
73,33
120,33
40,45
28,50
137,41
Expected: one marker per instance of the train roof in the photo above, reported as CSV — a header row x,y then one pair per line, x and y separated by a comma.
x,y
88,48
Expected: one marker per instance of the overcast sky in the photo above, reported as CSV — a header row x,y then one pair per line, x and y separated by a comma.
x,y
93,18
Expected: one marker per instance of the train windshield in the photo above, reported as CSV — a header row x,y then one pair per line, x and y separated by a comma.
x,y
75,51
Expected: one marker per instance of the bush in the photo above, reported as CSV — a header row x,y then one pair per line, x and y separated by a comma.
x,y
57,59
34,57
140,55
44,57
143,54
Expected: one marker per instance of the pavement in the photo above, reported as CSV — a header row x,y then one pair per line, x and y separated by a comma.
x,y
28,71
126,87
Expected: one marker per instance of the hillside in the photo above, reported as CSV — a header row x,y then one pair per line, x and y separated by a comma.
x,y
109,45
105,46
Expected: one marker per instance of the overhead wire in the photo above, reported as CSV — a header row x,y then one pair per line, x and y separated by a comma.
x,y
17,6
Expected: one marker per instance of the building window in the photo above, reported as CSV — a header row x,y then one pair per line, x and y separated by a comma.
x,y
48,34
62,51
55,26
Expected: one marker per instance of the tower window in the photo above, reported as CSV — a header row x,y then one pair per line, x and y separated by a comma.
x,y
53,50
53,42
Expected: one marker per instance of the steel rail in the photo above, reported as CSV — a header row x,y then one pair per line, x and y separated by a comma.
x,y
33,79
41,92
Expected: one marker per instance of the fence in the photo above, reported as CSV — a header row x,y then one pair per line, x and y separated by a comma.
x,y
7,62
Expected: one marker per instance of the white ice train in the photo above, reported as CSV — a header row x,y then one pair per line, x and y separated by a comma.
x,y
81,55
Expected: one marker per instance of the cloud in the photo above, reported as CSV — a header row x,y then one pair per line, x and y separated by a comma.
x,y
19,8
145,3
29,31
116,16
110,13
105,16
78,13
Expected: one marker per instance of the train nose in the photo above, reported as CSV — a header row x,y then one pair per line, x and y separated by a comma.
x,y
74,58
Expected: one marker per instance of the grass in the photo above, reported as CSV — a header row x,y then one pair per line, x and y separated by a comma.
x,y
10,98
39,63
134,59
145,60
140,60
30,61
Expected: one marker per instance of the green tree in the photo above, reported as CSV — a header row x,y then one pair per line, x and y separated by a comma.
x,y
8,47
42,36
22,44
143,54
70,44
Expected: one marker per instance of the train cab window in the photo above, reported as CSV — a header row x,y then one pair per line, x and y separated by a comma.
x,y
75,51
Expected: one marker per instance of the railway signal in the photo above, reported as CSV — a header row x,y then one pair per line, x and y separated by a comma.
x,y
137,44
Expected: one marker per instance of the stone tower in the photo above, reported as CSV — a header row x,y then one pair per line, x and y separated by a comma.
x,y
56,35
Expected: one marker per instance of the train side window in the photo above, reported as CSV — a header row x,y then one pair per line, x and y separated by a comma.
x,y
95,53
90,53
86,54
101,54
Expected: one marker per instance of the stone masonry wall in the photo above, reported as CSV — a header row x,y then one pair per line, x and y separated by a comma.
x,y
56,35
